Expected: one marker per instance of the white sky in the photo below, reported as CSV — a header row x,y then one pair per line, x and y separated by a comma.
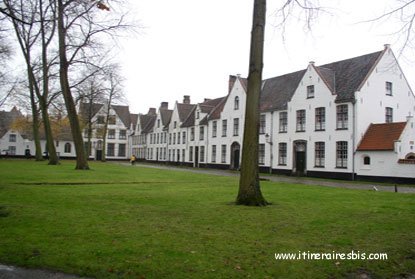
x,y
190,47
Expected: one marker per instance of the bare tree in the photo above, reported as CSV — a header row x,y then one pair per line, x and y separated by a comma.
x,y
78,25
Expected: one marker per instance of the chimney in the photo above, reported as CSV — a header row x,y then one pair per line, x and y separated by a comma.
x,y
387,46
186,99
207,100
152,111
164,105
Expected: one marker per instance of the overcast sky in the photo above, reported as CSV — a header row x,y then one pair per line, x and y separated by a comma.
x,y
189,47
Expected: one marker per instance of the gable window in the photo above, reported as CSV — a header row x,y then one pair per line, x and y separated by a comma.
x,y
12,138
262,123
197,114
174,138
111,134
388,115
320,119
342,117
310,91
388,87
67,148
282,153
214,129
224,127
201,133
223,154
100,119
174,124
213,154
111,120
169,138
261,154
283,122
123,134
236,126
319,154
236,103
341,154
183,138
178,138
158,123
300,120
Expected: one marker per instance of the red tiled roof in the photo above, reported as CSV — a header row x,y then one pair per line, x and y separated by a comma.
x,y
380,137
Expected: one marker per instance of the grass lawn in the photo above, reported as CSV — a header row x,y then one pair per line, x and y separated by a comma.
x,y
129,222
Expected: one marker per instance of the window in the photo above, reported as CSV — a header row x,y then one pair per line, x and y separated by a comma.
x,y
174,155
310,91
12,150
192,134
236,126
283,122
183,154
175,124
202,154
341,154
12,138
123,134
197,114
262,124
121,150
320,119
183,138
300,120
158,138
261,154
178,138
191,153
165,137
111,120
158,123
388,115
169,138
236,103
282,153
213,153
342,117
319,154
178,155
201,133
110,149
224,127
214,129
174,138
67,148
223,154
388,87
111,134
366,160
100,119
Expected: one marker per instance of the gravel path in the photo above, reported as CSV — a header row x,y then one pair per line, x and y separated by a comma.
x,y
11,272
290,179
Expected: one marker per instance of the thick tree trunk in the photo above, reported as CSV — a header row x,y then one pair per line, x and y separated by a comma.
x,y
81,159
53,157
35,125
249,188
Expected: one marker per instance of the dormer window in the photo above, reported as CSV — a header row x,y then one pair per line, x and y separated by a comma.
x,y
158,123
197,114
174,124
236,103
388,87
310,91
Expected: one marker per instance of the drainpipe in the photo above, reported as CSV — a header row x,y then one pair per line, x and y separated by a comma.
x,y
354,139
271,142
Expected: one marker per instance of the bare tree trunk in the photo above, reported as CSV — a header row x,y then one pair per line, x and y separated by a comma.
x,y
249,188
81,159
35,122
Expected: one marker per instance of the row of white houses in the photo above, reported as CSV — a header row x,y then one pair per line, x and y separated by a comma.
x,y
350,119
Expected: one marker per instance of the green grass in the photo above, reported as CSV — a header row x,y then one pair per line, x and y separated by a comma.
x,y
130,222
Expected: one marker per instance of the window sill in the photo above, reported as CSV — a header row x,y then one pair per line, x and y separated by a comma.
x,y
344,168
282,132
300,131
342,129
319,130
319,167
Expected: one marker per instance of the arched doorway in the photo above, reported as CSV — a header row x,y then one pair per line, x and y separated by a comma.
x,y
235,155
300,157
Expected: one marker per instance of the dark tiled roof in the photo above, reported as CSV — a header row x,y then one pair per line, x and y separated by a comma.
x,y
190,120
87,110
184,110
277,91
166,116
350,74
146,122
380,137
215,113
7,118
133,118
123,113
